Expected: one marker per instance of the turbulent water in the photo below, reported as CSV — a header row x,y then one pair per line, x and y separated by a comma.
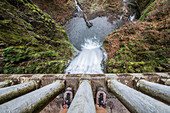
x,y
88,41
88,61
77,6
78,31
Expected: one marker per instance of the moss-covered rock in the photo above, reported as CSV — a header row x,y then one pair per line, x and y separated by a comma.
x,y
141,46
60,10
30,40
143,4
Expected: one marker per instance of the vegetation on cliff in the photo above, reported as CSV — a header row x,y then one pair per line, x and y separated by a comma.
x,y
30,40
141,46
60,10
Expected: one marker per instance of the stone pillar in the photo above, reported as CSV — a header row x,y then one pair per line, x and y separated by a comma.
x,y
5,83
83,101
11,92
34,101
161,92
167,82
136,102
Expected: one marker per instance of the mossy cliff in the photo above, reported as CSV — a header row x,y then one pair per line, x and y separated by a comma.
x,y
30,40
143,4
60,10
141,46
95,5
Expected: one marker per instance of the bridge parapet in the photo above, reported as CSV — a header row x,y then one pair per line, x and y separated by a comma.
x,y
131,80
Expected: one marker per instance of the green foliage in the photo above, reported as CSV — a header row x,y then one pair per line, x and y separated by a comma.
x,y
30,40
130,67
2,43
13,55
46,54
147,11
140,55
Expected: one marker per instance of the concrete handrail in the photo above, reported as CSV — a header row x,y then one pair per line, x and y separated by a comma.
x,y
136,101
161,92
11,92
83,101
34,101
5,83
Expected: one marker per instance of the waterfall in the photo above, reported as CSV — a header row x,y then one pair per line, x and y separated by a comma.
x,y
132,10
77,6
88,60
132,17
88,42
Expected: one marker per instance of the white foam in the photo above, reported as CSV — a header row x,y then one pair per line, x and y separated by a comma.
x,y
77,6
132,17
121,17
88,60
91,43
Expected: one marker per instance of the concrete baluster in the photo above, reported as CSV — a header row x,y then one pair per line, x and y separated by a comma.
x,y
34,101
161,92
135,101
5,83
11,92
83,101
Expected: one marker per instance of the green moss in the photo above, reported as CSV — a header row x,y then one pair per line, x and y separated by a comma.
x,y
131,69
115,70
147,11
30,6
143,4
2,43
9,83
13,55
32,42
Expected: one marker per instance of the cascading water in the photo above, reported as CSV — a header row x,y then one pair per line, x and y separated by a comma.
x,y
88,61
89,43
77,6
132,17
132,9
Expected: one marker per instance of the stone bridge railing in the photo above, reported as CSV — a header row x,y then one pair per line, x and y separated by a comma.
x,y
137,93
